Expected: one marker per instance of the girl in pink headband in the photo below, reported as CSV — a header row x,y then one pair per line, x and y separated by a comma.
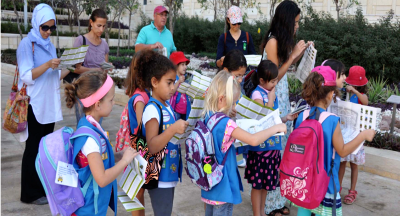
x,y
96,92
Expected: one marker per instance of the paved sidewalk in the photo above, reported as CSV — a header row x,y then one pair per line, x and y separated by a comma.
x,y
377,195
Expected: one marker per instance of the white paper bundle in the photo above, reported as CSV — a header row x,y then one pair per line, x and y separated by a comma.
x,y
129,205
249,109
253,60
253,126
132,179
197,86
307,63
354,118
73,56
194,116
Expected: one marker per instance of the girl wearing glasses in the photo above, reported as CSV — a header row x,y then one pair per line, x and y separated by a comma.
x,y
234,38
37,63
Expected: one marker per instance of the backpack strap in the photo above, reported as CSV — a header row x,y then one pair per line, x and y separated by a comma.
x,y
83,40
86,131
247,37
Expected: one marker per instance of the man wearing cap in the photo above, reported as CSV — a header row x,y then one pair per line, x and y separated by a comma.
x,y
156,35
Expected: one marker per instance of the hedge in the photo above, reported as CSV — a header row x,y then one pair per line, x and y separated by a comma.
x,y
351,39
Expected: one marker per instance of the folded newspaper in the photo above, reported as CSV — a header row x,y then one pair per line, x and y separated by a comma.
x,y
73,56
131,181
354,118
197,86
307,63
249,109
253,126
194,116
107,66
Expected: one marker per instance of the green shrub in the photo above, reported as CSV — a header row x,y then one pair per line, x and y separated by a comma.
x,y
385,141
295,86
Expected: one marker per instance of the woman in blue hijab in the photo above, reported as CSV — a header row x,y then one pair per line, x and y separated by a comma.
x,y
37,60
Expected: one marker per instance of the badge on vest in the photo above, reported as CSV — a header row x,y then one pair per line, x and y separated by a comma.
x,y
104,156
173,154
295,148
271,143
244,45
173,168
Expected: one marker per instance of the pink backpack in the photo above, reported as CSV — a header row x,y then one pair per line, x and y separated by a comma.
x,y
303,179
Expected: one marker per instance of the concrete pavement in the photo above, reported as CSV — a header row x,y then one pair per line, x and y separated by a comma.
x,y
377,195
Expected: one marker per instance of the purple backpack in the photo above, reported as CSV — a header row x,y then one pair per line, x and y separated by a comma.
x,y
201,164
54,147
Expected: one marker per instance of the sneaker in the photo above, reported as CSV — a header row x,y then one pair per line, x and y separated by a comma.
x,y
40,201
241,163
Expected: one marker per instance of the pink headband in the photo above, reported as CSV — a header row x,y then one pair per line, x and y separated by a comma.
x,y
99,94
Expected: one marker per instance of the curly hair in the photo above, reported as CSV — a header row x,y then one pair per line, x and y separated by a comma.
x,y
136,77
282,28
314,90
266,70
153,64
86,84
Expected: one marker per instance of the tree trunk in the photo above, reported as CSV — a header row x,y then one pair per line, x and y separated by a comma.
x,y
70,20
119,33
171,18
79,26
337,9
129,32
16,13
215,9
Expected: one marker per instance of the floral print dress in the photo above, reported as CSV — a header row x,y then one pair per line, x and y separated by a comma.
x,y
274,199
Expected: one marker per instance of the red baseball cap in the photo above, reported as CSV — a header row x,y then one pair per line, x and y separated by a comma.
x,y
357,76
328,74
160,9
178,57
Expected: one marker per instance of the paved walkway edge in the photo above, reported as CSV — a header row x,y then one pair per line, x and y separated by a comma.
x,y
378,161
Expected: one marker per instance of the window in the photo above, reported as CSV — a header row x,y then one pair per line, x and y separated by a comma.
x,y
144,2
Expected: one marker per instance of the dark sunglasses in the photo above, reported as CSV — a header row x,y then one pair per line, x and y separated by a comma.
x,y
46,28
237,24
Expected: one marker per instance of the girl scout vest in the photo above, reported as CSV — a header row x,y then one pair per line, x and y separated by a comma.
x,y
274,142
228,189
354,99
171,169
94,202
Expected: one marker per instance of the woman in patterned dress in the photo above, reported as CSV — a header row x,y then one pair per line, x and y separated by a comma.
x,y
279,46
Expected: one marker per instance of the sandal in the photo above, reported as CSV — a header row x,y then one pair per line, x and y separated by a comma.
x,y
351,197
285,209
275,212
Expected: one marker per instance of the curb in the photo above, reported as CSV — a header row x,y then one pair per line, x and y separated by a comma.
x,y
380,162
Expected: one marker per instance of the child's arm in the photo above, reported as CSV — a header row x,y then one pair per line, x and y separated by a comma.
x,y
156,141
289,117
105,177
344,150
259,137
139,107
178,82
362,97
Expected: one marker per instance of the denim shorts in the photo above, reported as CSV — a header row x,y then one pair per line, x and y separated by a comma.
x,y
219,210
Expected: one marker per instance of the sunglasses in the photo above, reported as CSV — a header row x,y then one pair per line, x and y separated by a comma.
x,y
237,24
46,28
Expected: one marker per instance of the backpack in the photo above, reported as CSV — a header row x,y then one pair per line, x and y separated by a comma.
x,y
201,164
248,85
55,147
124,132
303,179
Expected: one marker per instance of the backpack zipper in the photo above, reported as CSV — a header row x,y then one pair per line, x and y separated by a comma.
x,y
301,178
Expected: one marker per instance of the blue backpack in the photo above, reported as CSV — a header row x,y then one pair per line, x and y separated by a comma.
x,y
201,164
55,147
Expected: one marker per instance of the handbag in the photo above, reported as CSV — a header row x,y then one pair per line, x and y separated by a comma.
x,y
154,161
15,117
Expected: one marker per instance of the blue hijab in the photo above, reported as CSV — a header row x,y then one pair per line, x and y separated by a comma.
x,y
41,14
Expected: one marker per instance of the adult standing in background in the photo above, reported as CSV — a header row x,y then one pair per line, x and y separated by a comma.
x,y
98,48
97,52
279,46
37,60
234,38
156,35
